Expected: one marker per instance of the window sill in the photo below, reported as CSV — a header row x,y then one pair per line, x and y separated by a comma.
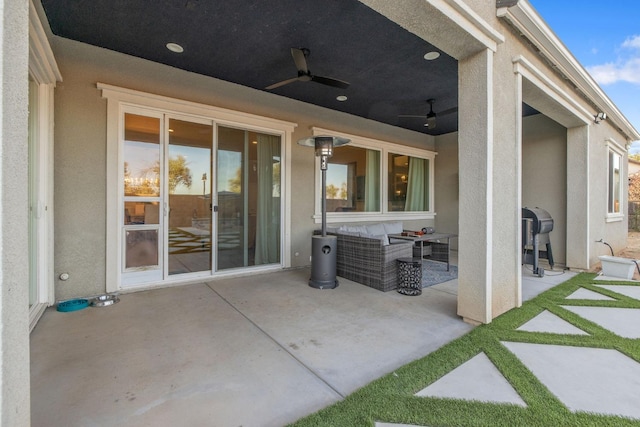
x,y
340,217
614,217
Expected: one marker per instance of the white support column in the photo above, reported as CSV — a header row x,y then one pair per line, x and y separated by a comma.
x,y
490,190
14,250
475,147
578,226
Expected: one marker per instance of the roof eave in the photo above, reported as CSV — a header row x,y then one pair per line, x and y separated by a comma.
x,y
522,16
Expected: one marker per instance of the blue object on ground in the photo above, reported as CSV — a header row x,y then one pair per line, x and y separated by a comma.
x,y
73,305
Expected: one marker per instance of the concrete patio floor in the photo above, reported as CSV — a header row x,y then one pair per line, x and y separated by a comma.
x,y
255,351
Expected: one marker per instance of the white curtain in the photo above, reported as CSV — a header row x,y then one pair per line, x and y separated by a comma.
x,y
416,186
268,214
372,182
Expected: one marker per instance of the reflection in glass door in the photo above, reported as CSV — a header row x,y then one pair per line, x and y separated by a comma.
x,y
248,192
190,206
142,232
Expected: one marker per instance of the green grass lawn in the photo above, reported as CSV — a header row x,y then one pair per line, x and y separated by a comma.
x,y
391,398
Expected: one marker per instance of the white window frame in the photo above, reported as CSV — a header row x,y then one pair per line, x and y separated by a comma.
x,y
44,71
615,148
384,148
119,98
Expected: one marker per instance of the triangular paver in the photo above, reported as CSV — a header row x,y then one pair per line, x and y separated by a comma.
x,y
585,379
583,293
476,379
621,321
626,290
549,322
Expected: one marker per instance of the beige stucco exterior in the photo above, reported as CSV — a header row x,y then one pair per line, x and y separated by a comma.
x,y
495,164
14,253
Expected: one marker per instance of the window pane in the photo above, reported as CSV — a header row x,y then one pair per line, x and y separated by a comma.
x,y
615,183
141,248
353,180
189,179
141,156
408,183
248,189
141,213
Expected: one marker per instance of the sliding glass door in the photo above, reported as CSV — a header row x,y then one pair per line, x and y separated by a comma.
x,y
248,193
173,224
189,191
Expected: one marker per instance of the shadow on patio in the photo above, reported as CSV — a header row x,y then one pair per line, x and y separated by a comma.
x,y
252,351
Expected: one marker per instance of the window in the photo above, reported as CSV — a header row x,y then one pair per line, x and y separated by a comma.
x,y
408,183
353,180
356,188
614,184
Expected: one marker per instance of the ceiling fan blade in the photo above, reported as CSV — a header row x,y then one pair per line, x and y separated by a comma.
x,y
300,58
282,83
448,111
329,81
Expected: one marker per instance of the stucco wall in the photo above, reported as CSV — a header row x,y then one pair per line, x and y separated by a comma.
x,y
80,164
447,188
614,232
544,175
14,237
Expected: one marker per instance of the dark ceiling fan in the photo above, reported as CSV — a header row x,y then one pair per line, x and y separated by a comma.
x,y
304,75
431,115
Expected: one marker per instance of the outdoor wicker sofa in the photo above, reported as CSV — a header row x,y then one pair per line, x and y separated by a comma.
x,y
366,256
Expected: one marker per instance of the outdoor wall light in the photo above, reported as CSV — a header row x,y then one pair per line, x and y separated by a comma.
x,y
599,117
323,248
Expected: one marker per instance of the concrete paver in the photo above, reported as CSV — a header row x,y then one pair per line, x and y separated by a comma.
x,y
585,379
549,322
621,321
626,290
476,379
587,294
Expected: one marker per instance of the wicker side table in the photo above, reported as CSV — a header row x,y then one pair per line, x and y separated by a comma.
x,y
409,276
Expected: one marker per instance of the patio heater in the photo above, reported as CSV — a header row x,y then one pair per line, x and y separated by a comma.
x,y
323,248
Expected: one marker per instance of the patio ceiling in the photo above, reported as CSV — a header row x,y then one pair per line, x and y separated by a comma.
x,y
249,42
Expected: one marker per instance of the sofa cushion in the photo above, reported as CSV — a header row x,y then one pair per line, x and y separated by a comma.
x,y
394,227
361,229
375,229
382,237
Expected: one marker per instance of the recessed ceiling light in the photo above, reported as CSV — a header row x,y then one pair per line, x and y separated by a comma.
x,y
175,47
430,56
341,98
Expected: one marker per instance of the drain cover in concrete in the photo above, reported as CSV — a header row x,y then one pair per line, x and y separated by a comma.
x,y
549,322
476,379
626,290
583,293
585,379
621,321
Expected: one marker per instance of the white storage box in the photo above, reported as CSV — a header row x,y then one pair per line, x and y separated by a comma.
x,y
613,266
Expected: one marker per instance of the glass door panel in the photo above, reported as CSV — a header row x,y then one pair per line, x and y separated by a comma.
x,y
248,191
190,207
142,156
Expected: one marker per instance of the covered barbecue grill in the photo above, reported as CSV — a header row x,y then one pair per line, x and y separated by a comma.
x,y
536,226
